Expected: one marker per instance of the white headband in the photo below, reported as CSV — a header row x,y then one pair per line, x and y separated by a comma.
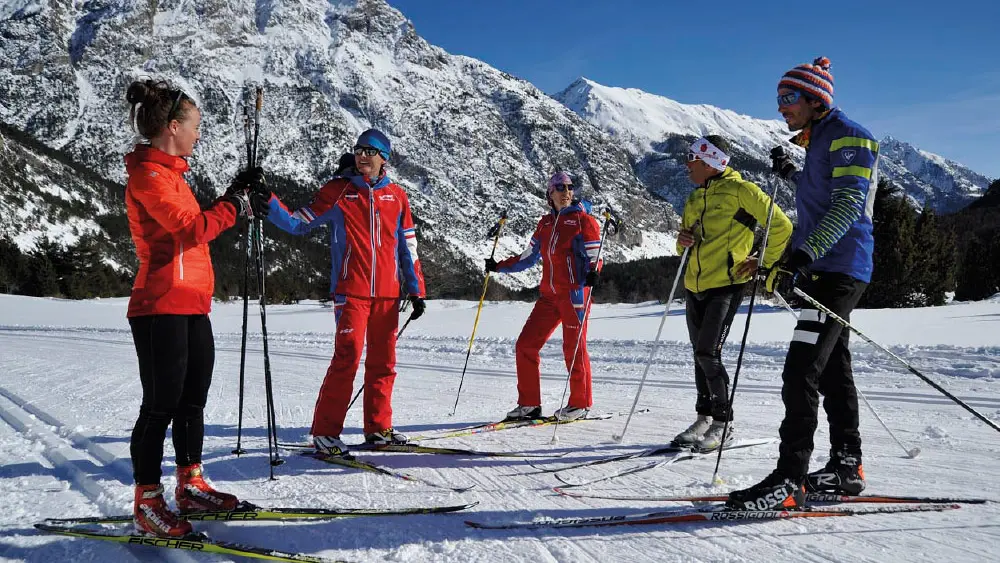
x,y
705,151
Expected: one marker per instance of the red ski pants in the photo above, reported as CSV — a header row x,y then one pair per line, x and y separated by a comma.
x,y
549,311
358,319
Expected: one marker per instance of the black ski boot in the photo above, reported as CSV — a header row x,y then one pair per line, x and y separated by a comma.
x,y
775,492
843,475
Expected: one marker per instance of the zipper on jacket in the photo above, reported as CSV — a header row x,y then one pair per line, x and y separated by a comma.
x,y
180,260
552,246
697,277
378,221
569,266
371,232
347,260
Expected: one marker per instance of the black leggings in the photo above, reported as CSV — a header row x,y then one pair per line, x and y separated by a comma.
x,y
709,316
176,356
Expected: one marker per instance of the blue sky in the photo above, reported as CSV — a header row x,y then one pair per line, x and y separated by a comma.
x,y
924,72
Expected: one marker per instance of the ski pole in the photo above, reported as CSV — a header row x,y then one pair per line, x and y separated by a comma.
x,y
609,225
652,350
910,452
274,456
910,368
746,333
247,252
495,233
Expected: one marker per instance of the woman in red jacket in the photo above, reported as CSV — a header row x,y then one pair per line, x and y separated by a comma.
x,y
170,302
568,241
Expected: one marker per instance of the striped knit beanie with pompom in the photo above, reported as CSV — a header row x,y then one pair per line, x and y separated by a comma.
x,y
814,80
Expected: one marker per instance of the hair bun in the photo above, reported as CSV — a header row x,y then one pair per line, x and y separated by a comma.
x,y
822,62
138,91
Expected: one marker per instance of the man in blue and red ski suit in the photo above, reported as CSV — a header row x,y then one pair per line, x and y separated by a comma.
x,y
567,240
372,241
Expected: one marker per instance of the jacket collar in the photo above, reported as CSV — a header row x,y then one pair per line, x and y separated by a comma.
x,y
803,137
727,174
147,153
362,182
574,206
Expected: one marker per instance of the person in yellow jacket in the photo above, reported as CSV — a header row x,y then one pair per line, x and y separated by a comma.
x,y
717,226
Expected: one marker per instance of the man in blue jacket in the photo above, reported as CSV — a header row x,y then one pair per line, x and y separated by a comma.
x,y
830,258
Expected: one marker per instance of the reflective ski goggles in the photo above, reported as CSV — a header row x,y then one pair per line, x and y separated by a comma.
x,y
367,151
789,98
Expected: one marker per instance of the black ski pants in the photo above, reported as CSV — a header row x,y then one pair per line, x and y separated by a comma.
x,y
176,357
709,315
819,361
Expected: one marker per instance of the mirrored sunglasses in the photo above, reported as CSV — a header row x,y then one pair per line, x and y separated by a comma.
x,y
789,98
563,188
692,157
367,151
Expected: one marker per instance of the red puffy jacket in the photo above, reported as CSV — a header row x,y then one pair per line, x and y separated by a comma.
x,y
171,235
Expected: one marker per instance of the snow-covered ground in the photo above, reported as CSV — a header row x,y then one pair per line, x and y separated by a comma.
x,y
69,394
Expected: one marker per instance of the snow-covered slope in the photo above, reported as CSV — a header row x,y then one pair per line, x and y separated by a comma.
x,y
69,397
653,128
468,139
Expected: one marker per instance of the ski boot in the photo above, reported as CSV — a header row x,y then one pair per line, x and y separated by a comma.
x,y
387,436
775,492
843,475
152,517
713,437
568,413
694,433
524,413
194,494
331,445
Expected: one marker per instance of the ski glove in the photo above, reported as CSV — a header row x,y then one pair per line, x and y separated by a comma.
x,y
593,279
781,163
788,272
491,265
418,307
249,194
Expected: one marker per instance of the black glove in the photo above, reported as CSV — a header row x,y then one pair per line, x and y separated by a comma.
x,y
788,272
237,195
781,163
418,307
252,178
491,264
593,279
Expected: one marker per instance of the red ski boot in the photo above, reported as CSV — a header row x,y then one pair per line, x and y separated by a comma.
x,y
196,495
152,516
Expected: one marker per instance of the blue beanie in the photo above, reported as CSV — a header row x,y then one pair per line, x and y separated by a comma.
x,y
377,140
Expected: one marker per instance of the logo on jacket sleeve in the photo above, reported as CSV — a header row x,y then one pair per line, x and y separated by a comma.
x,y
848,155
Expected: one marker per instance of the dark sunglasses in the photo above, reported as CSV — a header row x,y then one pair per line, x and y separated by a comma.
x,y
173,108
563,188
692,157
367,151
789,98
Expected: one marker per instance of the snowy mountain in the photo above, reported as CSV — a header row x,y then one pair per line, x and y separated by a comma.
x,y
933,180
655,128
469,140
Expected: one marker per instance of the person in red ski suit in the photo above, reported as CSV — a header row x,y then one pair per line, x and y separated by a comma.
x,y
170,301
372,241
567,240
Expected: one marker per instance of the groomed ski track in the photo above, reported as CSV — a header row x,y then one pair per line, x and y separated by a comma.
x,y
69,395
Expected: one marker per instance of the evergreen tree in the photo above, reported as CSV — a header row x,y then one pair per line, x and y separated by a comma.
x,y
894,222
933,269
978,277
